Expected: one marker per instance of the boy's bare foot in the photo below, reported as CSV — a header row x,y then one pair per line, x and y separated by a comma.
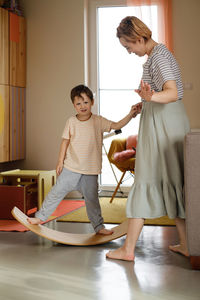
x,y
180,249
105,231
120,254
34,221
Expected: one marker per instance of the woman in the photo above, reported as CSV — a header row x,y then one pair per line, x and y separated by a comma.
x,y
158,185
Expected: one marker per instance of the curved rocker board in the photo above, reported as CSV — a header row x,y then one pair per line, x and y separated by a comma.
x,y
70,238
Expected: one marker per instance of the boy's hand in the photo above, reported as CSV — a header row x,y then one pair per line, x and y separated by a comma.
x,y
139,107
133,111
59,168
136,109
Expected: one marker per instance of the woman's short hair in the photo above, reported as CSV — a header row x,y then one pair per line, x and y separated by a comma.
x,y
131,29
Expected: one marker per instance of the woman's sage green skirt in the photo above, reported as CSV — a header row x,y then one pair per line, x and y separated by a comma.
x,y
159,173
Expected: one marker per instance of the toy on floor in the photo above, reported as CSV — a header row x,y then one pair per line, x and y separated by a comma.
x,y
70,238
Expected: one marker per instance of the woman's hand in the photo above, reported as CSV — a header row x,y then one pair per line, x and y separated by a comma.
x,y
168,94
145,91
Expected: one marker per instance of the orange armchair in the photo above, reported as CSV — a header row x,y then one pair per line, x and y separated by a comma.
x,y
122,155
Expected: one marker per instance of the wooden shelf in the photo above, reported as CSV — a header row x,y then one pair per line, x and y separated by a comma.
x,y
44,180
12,86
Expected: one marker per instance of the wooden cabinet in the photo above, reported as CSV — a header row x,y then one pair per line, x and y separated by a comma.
x,y
4,46
23,195
12,86
4,123
17,123
19,182
17,50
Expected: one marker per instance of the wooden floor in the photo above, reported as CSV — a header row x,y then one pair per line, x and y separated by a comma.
x,y
34,268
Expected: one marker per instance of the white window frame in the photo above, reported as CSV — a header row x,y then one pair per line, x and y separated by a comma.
x,y
91,43
91,54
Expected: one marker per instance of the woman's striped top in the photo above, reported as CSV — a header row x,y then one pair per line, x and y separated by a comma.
x,y
160,67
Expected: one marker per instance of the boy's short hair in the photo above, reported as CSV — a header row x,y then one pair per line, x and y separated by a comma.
x,y
81,89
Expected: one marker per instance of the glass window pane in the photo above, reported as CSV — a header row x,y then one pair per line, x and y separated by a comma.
x,y
117,69
118,75
114,105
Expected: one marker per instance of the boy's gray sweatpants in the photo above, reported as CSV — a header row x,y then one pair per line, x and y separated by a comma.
x,y
69,181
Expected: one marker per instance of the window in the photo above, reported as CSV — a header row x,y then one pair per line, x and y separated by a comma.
x,y
113,73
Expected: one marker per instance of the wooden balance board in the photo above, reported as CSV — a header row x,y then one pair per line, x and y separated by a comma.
x,y
70,238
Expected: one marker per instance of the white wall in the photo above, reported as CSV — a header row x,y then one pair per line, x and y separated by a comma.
x,y
55,64
186,24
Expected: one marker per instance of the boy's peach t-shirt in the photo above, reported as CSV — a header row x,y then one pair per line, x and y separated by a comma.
x,y
84,153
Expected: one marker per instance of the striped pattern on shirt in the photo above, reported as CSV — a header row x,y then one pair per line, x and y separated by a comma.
x,y
160,67
84,153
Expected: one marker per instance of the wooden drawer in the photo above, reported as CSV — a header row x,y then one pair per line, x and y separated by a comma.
x,y
23,196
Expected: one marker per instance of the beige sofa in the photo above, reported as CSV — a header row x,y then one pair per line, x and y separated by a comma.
x,y
192,195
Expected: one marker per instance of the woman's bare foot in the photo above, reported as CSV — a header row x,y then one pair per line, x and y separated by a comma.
x,y
180,249
34,221
120,254
105,231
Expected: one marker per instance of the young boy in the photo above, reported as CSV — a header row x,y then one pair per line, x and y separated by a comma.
x,y
80,158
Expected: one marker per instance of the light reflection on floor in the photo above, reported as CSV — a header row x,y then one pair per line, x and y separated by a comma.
x,y
31,267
